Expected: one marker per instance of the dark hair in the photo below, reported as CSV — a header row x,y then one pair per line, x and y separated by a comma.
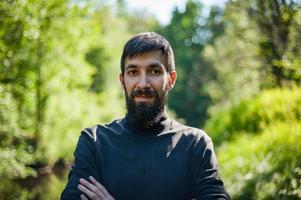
x,y
145,42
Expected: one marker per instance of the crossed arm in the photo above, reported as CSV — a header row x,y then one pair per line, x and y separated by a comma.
x,y
82,180
82,185
94,190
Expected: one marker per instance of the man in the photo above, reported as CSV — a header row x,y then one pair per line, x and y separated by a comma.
x,y
145,155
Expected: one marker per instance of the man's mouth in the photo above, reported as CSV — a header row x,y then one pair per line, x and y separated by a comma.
x,y
143,98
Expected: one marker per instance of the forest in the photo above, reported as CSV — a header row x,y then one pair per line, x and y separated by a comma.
x,y
239,79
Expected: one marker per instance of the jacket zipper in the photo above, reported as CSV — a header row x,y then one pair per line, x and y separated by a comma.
x,y
147,175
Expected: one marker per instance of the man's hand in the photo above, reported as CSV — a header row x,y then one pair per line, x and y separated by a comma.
x,y
94,190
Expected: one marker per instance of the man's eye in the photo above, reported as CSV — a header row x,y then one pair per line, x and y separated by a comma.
x,y
132,72
156,72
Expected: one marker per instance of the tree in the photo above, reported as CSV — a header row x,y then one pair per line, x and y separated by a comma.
x,y
259,49
234,56
188,33
276,20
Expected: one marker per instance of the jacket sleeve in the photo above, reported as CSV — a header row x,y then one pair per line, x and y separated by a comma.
x,y
83,167
207,184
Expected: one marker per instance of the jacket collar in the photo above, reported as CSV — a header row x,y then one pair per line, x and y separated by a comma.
x,y
163,124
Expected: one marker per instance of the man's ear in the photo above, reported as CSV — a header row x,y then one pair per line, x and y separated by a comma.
x,y
121,80
172,77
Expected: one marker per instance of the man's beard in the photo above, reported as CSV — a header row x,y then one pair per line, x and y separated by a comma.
x,y
145,115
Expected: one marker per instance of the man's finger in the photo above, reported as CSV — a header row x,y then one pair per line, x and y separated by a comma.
x,y
99,186
87,192
89,185
83,197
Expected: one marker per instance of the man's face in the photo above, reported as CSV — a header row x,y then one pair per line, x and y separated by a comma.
x,y
146,83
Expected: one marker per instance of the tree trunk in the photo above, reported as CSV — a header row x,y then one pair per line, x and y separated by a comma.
x,y
39,97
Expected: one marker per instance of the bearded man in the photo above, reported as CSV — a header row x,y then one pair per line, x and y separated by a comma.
x,y
146,154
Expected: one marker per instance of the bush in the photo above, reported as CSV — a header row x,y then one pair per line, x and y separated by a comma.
x,y
253,115
260,151
15,155
264,166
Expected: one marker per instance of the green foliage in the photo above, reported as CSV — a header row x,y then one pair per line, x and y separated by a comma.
x,y
259,49
277,22
253,115
59,63
188,33
97,57
234,58
58,75
264,166
259,153
49,187
15,154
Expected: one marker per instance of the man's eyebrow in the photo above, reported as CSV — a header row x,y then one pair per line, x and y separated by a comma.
x,y
153,65
130,66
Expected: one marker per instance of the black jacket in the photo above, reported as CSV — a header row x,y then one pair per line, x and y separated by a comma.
x,y
175,162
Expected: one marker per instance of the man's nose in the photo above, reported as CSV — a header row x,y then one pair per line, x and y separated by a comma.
x,y
143,81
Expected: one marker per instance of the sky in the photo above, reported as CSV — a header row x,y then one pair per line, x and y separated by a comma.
x,y
162,9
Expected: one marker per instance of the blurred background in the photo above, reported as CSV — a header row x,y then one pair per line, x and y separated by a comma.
x,y
239,76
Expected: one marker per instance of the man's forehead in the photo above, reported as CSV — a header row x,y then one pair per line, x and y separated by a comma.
x,y
151,56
